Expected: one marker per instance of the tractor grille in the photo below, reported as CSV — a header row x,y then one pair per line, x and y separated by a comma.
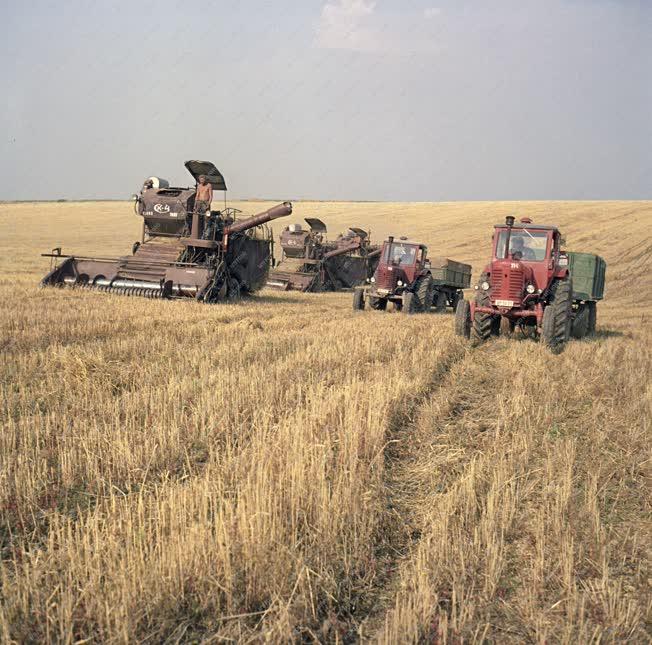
x,y
507,284
386,279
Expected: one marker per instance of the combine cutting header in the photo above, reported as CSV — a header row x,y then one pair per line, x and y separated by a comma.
x,y
181,254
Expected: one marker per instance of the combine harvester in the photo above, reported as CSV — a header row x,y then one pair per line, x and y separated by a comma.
x,y
412,282
312,263
181,254
534,287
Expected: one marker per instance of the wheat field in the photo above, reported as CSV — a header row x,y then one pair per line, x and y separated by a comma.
x,y
283,469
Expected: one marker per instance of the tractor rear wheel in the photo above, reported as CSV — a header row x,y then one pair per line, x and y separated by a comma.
x,y
358,300
441,302
593,316
463,319
580,324
422,295
484,325
379,304
557,315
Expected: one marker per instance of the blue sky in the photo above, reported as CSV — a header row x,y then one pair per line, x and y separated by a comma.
x,y
344,99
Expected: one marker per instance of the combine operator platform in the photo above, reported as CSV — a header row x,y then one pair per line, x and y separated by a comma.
x,y
181,254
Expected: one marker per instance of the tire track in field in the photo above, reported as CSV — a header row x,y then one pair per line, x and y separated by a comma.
x,y
399,529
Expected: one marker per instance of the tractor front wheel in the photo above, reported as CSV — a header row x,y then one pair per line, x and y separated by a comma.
x,y
557,316
358,300
463,319
484,325
506,326
409,305
379,304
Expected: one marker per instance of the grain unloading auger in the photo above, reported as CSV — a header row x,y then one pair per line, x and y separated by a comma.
x,y
181,254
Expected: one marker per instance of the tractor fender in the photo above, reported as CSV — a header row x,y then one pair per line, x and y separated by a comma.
x,y
560,272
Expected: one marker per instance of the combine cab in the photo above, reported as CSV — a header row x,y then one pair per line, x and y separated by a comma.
x,y
311,263
533,287
412,282
181,254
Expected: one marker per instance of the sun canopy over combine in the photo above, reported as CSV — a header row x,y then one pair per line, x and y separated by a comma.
x,y
213,176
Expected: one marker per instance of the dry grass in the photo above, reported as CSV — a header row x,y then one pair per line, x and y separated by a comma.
x,y
282,469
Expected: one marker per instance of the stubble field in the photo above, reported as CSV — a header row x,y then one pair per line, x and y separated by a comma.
x,y
284,469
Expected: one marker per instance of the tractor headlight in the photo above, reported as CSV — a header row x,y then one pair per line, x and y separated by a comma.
x,y
485,286
372,279
530,288
400,283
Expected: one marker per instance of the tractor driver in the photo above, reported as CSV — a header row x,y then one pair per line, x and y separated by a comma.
x,y
203,196
521,250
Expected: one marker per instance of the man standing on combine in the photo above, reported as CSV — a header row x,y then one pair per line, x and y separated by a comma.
x,y
203,196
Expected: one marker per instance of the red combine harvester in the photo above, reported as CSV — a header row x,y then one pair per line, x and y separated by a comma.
x,y
534,287
413,283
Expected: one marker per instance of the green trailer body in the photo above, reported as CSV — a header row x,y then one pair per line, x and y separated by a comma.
x,y
450,273
588,273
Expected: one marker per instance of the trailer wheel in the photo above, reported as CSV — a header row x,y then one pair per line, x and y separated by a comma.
x,y
580,323
358,300
441,302
557,315
379,304
463,319
484,325
456,296
593,316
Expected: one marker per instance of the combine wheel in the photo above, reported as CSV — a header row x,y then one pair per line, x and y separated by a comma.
x,y
593,316
234,290
463,319
379,304
484,325
358,300
557,315
441,301
580,323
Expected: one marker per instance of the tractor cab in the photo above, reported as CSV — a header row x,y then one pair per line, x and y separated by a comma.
x,y
526,256
401,262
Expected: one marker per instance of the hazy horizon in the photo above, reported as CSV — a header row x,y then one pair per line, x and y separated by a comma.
x,y
330,100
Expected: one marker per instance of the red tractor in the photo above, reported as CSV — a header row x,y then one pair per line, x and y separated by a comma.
x,y
528,287
412,282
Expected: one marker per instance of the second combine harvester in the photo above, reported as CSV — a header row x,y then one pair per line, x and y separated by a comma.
x,y
310,262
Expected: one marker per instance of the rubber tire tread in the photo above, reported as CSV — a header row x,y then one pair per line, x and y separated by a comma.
x,y
422,300
483,325
358,300
580,324
556,316
462,323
